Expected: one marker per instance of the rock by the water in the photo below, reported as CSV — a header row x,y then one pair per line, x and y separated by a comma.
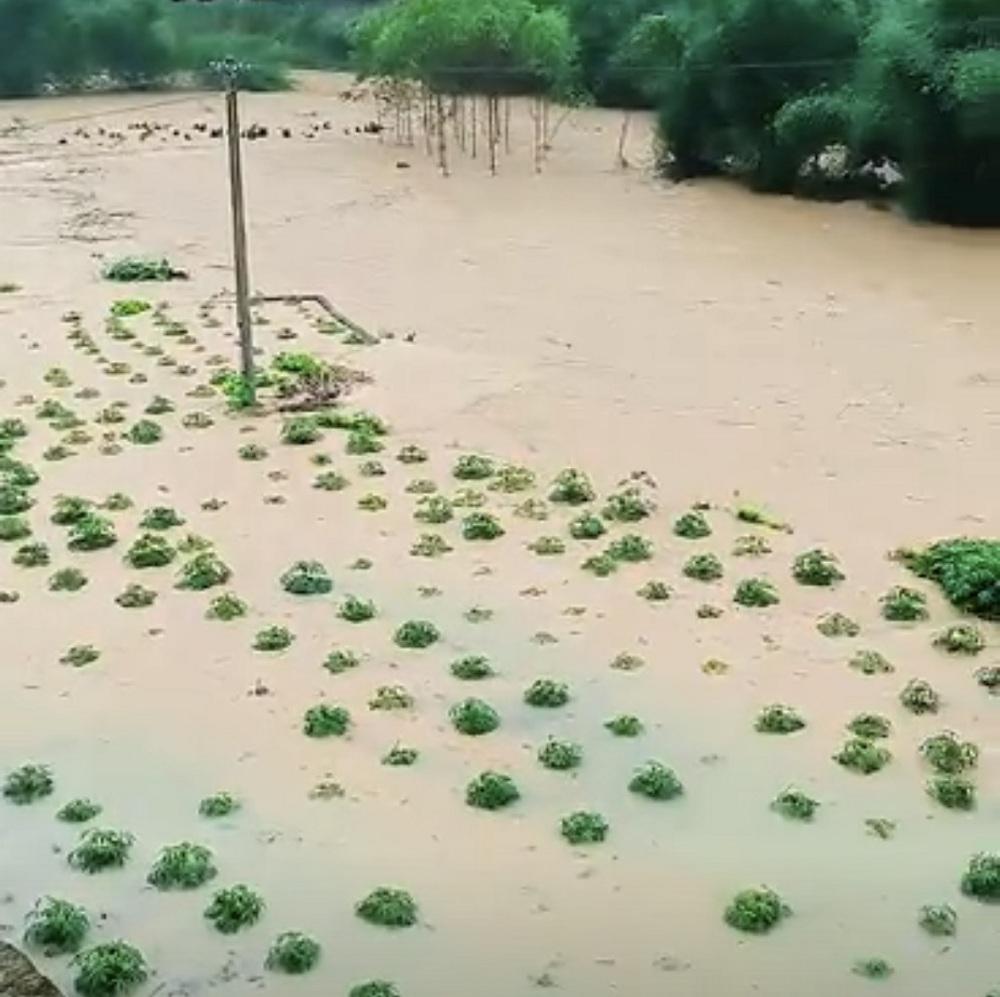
x,y
19,978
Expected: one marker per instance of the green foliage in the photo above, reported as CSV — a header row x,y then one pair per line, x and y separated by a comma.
x,y
572,487
692,525
324,720
871,663
560,755
184,866
434,509
389,907
127,307
600,565
28,783
654,590
13,499
135,596
584,827
982,878
547,546
203,571
989,678
837,625
67,580
816,567
399,755
128,269
960,638
586,526
32,555
390,697
473,467
968,571
919,696
474,717
306,578
756,592
750,545
356,610
78,811
861,755
472,667
293,952
949,755
372,502
625,725
491,791
71,509
273,638
547,693
870,725
416,634
795,805
629,505
340,660
372,469
233,908
109,970
219,805
226,607
481,526
939,920
100,849
902,604
703,567
778,719
160,517
361,441
873,968
13,528
655,781
375,988
145,432
756,911
630,547
300,431
92,532
80,655
330,481
150,550
252,451
56,926
512,478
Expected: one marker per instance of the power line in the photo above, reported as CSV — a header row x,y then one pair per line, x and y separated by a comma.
x,y
72,118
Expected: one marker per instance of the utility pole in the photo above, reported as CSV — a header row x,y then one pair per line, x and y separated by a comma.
x,y
229,70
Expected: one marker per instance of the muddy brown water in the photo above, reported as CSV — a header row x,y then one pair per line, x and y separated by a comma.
x,y
837,364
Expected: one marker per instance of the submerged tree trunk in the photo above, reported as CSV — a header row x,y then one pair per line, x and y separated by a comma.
x,y
475,126
442,135
622,136
506,125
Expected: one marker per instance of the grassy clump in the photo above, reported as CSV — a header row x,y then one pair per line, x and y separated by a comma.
x,y
92,533
629,505
938,919
416,634
756,592
587,526
330,481
870,725
816,567
481,526
159,405
547,693
389,907
756,910
67,580
631,548
135,596
656,782
145,432
473,467
548,545
340,660
184,866
491,791
624,725
219,805
961,638
109,970
233,908
750,545
204,571
982,878
324,720
512,478
968,570
252,451
391,697
778,719
861,755
560,755
356,610
584,827
32,555
361,442
837,625
56,926
161,517
300,431
150,550
411,454
421,486
28,784
600,565
375,988
78,811
226,607
902,604
70,509
471,667
873,968
703,568
692,525
372,502
949,755
572,487
433,509
795,805
989,678
13,499
101,848
306,578
400,755
372,469
654,591
919,696
80,655
273,638
293,952
474,717
131,269
870,663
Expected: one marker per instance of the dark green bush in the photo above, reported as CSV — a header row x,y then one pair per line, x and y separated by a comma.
x,y
56,926
961,638
100,849
795,805
982,878
233,908
586,526
919,697
949,755
135,596
109,970
756,910
226,607
870,725
32,555
630,547
600,565
182,867
778,719
28,784
375,988
474,717
874,968
547,693
968,571
160,517
584,827
703,567
145,432
624,725
93,532
273,638
389,907
572,487
472,667
756,592
837,625
219,805
78,811
356,610
324,720
399,755
938,919
473,467
861,755
71,509
150,550
491,791
816,567
692,525
293,952
952,791
629,505
481,526
203,571
306,578
300,431
67,580
560,755
340,660
655,781
902,604
416,634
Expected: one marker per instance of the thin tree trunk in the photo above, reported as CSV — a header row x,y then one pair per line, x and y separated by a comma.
x,y
536,122
425,102
475,126
442,135
622,136
506,125
492,118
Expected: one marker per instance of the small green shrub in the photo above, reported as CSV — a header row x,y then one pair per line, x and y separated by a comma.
x,y
135,596
421,486
572,487
80,655
600,565
416,634
870,725
252,451
703,568
949,755
293,952
472,667
150,550
816,567
109,970
778,719
28,783
631,548
989,678
372,502
159,406
145,432
356,610
233,908
433,509
756,911
560,755
79,811
389,907
330,481
547,693
226,607
13,499
837,625
491,791
584,827
547,546
756,592
512,478
411,454
400,755
750,545
874,968
67,580
219,805
692,525
160,517
982,878
32,555
340,660
961,638
203,571
128,269
184,866
127,307
391,697
474,717
273,638
795,805
624,661
861,755
655,781
92,533
101,848
654,591
938,919
587,526
300,431
629,505
473,467
361,442
919,696
70,509
624,725
375,988
871,663
56,926
481,526
902,604
968,571
306,578
326,721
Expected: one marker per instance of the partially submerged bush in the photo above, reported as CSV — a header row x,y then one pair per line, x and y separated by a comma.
x,y
399,755
512,478
109,970
13,499
547,693
600,565
587,526
560,755
692,525
233,908
919,696
982,878
28,784
631,547
433,509
128,269
481,526
330,481
629,505
870,725
184,866
306,578
67,580
989,678
778,719
204,571
947,754
411,454
756,910
372,502
572,487
375,988
756,592
340,660
273,638
389,907
471,667
226,607
80,655
101,848
220,804
795,805
837,625
161,517
135,596
32,555
750,545
861,755
902,604
703,567
491,791
938,919
150,550
474,717
873,968
324,720
967,569
960,638
93,532
624,725
356,610
78,811
416,634
145,432
473,467
816,567
655,781
654,590
13,528
871,663
56,926
301,431
548,545
391,697
293,952
252,451
584,827
361,442
70,509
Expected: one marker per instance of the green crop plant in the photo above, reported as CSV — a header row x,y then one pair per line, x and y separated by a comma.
x,y
584,827
631,548
656,782
400,755
13,499
778,719
159,406
100,849
356,610
870,725
960,638
252,451
919,696
949,755
56,926
203,571
861,755
372,502
67,580
416,634
28,784
80,655
145,432
474,717
324,720
600,565
110,416
372,469
92,532
110,969
57,452
473,467
421,486
220,804
364,422
128,269
197,420
306,578
629,505
756,911
411,454
755,592
837,625
273,638
389,907
300,431
703,568
184,866
547,693
560,755
795,805
293,952
13,528
750,545
989,678
512,478
135,596
481,526
587,526
128,307
226,607
12,428
375,988
472,667
902,604
572,487
160,517
692,525
939,920
871,663
968,571
491,791
546,546
330,481
17,474
624,725
117,502
391,697
341,660
234,907
654,591
872,968
32,555
816,567
70,509
150,550
982,878
433,509
361,442
78,811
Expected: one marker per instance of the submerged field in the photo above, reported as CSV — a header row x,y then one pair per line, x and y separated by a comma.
x,y
694,352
